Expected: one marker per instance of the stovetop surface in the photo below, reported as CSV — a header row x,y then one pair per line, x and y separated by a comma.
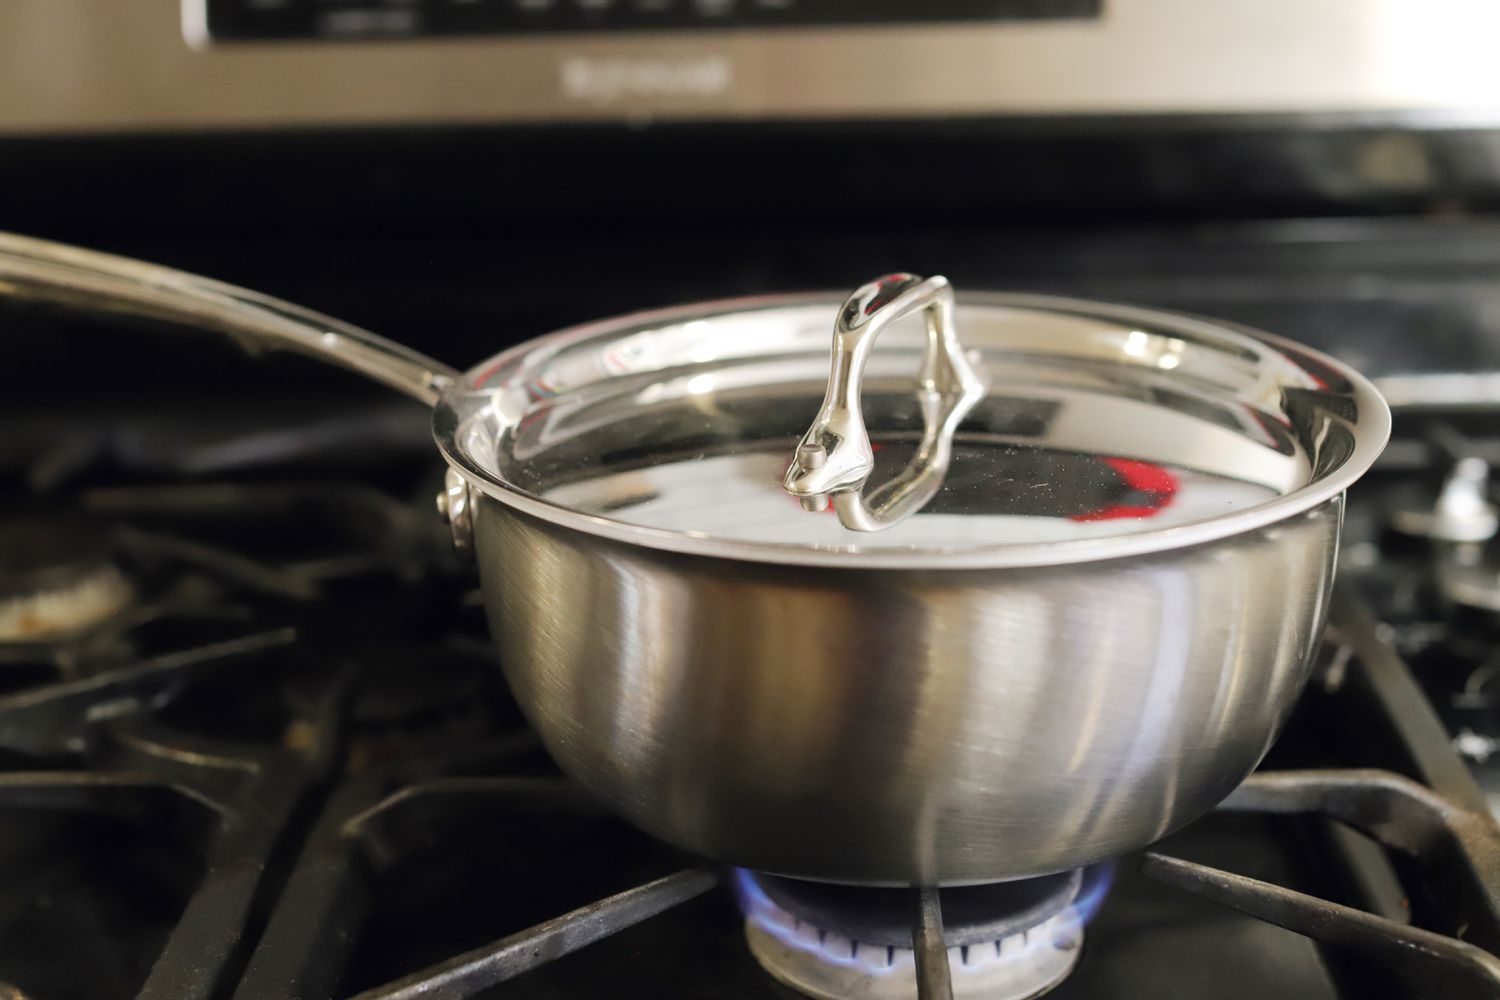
x,y
286,765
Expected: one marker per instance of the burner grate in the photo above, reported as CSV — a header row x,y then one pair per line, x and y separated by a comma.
x,y
299,705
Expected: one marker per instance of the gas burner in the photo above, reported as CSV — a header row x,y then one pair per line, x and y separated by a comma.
x,y
391,696
58,578
396,712
1463,512
1468,576
1460,527
1006,940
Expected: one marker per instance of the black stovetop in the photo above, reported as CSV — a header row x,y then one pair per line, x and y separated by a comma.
x,y
287,767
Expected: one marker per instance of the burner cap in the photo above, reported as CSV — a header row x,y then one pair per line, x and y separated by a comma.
x,y
971,914
1006,941
1469,575
1463,511
57,577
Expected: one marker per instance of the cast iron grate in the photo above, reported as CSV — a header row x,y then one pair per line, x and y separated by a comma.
x,y
317,736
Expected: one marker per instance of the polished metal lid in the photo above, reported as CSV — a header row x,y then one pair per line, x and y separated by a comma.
x,y
1008,430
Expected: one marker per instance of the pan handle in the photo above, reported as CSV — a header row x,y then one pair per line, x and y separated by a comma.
x,y
33,270
834,458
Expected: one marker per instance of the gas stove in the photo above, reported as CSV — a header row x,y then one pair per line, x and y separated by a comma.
x,y
254,745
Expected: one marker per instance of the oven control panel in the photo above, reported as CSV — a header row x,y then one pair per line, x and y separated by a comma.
x,y
252,20
153,66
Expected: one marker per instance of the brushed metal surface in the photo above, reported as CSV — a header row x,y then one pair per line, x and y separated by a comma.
x,y
672,429
836,719
906,726
107,66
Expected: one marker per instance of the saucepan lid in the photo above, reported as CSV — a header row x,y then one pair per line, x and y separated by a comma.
x,y
900,428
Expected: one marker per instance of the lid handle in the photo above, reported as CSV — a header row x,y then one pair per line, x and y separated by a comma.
x,y
834,458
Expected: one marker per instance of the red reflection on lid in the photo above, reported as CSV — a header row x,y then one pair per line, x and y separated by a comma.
x,y
1154,488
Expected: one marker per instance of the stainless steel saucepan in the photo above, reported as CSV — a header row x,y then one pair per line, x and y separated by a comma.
x,y
1036,606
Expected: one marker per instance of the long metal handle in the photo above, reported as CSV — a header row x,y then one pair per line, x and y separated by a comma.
x,y
834,459
86,281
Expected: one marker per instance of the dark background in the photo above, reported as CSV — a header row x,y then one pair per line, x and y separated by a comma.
x,y
1370,238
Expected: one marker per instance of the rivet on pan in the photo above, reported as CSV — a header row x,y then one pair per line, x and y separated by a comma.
x,y
454,507
811,456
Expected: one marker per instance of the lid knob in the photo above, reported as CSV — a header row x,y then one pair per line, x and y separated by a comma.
x,y
834,458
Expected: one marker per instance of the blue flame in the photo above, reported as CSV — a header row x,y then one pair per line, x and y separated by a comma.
x,y
1097,881
752,896
759,907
